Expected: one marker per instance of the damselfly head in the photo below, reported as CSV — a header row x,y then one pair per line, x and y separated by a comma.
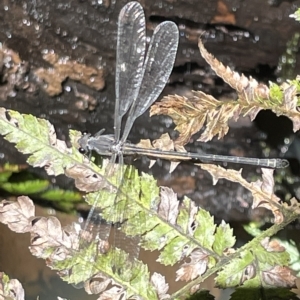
x,y
81,150
83,142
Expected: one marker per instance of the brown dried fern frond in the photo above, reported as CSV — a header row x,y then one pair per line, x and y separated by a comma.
x,y
191,114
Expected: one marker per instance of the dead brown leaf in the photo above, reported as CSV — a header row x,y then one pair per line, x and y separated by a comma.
x,y
86,179
191,114
47,233
188,114
168,206
164,143
290,104
17,215
267,198
159,283
261,190
248,273
238,82
11,289
196,267
99,284
279,276
293,206
254,96
272,246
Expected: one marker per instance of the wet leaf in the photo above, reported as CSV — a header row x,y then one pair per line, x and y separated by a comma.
x,y
10,289
196,267
17,215
158,281
280,277
224,238
168,207
233,273
36,137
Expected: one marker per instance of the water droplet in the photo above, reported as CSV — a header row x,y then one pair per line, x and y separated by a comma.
x,y
68,88
284,149
63,111
123,67
12,94
51,211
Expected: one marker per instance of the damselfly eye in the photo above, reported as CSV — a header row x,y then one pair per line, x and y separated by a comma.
x,y
81,150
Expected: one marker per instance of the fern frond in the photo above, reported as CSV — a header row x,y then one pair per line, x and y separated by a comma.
x,y
191,114
59,247
36,137
179,232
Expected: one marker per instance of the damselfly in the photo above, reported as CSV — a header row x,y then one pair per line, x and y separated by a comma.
x,y
139,81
